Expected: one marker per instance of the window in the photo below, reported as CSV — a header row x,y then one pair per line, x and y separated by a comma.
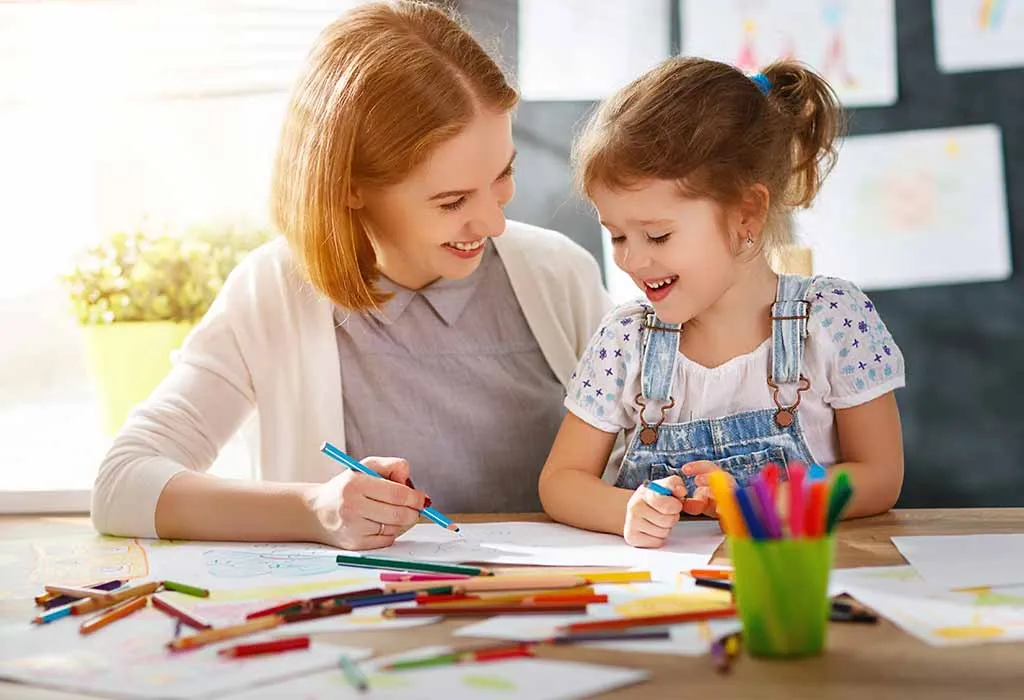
x,y
114,115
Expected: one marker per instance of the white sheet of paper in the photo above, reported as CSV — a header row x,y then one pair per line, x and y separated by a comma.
x,y
979,34
585,50
937,616
852,43
962,561
691,544
129,659
913,208
515,679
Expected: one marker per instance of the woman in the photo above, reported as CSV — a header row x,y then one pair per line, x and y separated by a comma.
x,y
399,314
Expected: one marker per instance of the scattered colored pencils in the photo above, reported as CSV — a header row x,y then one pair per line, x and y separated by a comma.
x,y
219,634
274,646
119,611
83,607
339,456
409,565
462,657
180,614
484,610
194,591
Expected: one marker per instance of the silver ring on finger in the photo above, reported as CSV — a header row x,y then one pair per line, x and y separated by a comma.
x,y
380,530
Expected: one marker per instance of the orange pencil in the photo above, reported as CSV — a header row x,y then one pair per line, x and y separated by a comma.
x,y
447,610
717,574
814,526
113,614
219,634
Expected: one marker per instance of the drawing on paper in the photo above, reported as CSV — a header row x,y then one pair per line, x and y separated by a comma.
x,y
852,44
990,14
973,35
480,681
74,561
238,563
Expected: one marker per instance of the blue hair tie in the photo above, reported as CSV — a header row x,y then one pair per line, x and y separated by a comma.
x,y
762,82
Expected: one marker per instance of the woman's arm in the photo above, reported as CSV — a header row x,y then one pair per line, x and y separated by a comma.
x,y
871,451
571,489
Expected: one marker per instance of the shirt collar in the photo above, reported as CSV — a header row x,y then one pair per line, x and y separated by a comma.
x,y
447,297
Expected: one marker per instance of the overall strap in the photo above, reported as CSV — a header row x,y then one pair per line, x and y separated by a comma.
x,y
660,355
789,328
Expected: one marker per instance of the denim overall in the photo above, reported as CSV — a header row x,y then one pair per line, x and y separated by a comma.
x,y
741,444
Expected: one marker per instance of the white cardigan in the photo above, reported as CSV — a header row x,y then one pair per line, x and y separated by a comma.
x,y
268,345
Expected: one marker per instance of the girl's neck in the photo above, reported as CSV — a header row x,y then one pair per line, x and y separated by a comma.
x,y
738,322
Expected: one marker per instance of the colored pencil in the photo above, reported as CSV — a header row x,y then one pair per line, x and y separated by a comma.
x,y
814,525
290,606
312,613
83,607
797,499
838,500
552,598
839,611
614,576
339,456
497,583
770,474
53,600
119,611
725,503
816,472
79,592
194,591
318,600
274,646
462,657
659,489
52,614
353,674
180,614
613,635
484,610
219,634
449,598
649,620
714,583
394,576
766,508
721,574
371,562
750,517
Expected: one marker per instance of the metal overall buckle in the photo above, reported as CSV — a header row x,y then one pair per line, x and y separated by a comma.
x,y
785,415
649,433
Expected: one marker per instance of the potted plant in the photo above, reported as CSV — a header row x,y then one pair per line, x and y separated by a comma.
x,y
138,295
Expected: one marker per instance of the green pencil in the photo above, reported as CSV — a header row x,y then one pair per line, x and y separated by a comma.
x,y
186,589
409,565
842,491
354,674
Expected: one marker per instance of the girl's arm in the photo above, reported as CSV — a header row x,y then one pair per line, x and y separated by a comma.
x,y
871,451
571,489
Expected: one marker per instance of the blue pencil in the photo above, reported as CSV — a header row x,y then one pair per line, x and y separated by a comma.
x,y
658,488
746,504
370,600
339,456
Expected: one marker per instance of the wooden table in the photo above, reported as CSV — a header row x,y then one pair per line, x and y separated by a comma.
x,y
864,662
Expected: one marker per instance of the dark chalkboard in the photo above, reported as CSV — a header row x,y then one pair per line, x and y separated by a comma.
x,y
963,407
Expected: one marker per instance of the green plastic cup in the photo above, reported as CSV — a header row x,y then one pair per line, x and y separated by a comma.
x,y
781,591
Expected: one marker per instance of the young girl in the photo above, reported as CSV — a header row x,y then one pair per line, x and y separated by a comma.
x,y
694,170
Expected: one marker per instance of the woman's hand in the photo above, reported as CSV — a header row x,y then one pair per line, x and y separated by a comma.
x,y
356,511
650,516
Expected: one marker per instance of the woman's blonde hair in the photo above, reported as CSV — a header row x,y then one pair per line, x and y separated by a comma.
x,y
384,85
717,132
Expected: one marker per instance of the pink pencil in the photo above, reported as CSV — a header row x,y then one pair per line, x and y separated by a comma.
x,y
396,576
797,472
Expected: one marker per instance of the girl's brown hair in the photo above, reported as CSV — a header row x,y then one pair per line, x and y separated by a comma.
x,y
710,128
384,85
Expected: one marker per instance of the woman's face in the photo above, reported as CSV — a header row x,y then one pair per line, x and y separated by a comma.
x,y
434,223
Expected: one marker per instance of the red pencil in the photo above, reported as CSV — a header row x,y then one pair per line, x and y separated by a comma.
x,y
275,646
484,610
398,576
193,621
770,474
446,598
275,609
649,620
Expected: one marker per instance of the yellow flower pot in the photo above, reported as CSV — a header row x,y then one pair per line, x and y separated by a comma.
x,y
127,361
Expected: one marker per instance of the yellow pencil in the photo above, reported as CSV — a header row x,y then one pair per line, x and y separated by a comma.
x,y
725,502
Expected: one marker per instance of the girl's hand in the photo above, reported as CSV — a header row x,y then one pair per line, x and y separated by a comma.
x,y
650,516
356,511
702,502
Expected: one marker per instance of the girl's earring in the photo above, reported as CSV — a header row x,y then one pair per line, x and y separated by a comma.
x,y
750,241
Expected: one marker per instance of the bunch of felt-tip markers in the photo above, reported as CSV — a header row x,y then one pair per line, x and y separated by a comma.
x,y
802,506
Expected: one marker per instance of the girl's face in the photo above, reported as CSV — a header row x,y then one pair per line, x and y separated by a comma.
x,y
434,223
678,250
